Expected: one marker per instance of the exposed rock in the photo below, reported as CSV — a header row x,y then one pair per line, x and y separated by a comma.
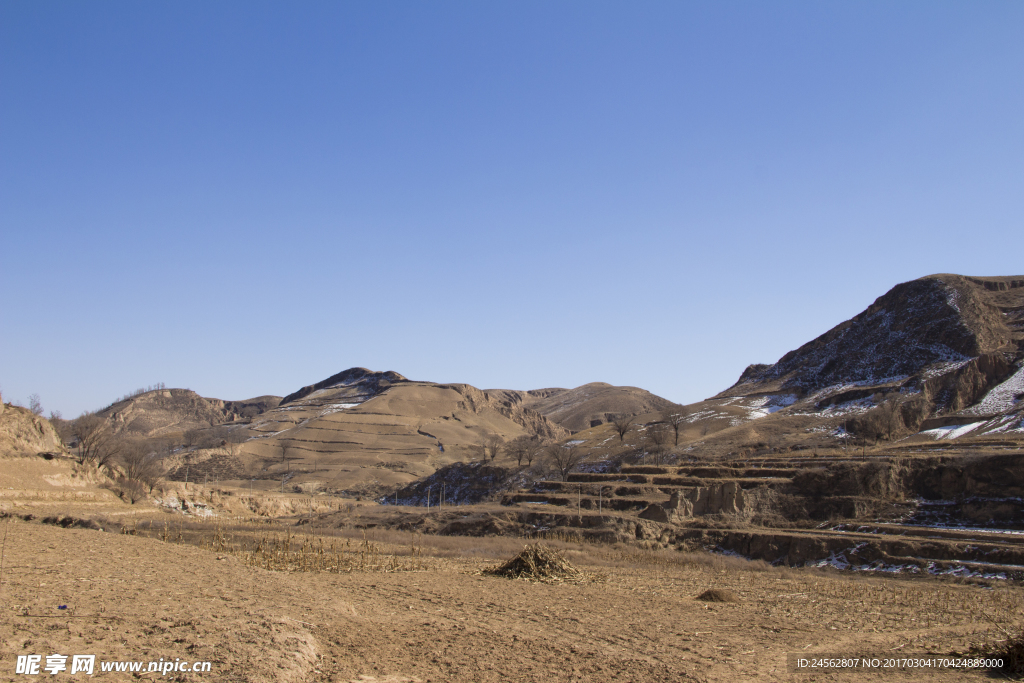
x,y
947,337
22,432
718,499
373,382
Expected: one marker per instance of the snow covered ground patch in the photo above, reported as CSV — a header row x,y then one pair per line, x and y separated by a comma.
x,y
1002,397
762,406
953,431
337,408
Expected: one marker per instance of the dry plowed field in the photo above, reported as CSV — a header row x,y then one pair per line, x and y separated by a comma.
x,y
429,614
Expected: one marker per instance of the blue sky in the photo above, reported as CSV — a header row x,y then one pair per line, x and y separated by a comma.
x,y
243,197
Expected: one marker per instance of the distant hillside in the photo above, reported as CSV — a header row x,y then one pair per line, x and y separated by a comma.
x,y
588,405
166,411
948,349
363,429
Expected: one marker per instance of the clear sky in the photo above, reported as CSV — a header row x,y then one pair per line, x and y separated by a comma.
x,y
242,198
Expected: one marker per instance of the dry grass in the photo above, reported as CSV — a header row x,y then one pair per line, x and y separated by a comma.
x,y
1012,653
538,562
290,551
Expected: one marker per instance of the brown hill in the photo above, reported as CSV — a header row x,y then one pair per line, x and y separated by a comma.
x,y
588,405
949,349
172,411
365,430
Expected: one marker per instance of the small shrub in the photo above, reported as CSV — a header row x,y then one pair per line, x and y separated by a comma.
x,y
718,595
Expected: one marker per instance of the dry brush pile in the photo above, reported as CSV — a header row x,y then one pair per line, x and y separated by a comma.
x,y
538,562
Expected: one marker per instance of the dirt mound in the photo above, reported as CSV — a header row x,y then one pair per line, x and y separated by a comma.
x,y
538,562
718,595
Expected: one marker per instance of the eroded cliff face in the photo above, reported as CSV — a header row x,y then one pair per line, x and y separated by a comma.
x,y
22,432
510,405
948,337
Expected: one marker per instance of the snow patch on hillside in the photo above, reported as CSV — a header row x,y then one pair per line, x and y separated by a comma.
x,y
760,406
337,408
1000,398
953,431
940,369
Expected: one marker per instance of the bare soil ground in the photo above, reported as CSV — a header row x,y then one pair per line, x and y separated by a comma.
x,y
430,614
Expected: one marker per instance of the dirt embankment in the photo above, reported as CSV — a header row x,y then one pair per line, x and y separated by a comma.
x,y
22,432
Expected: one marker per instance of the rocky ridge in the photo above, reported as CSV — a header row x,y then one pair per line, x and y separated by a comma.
x,y
947,338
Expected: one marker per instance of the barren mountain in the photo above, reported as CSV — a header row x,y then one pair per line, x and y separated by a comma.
x,y
948,348
363,430
950,336
168,411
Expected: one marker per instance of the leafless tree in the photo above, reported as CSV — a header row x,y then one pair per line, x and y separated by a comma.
x,y
35,405
675,418
288,454
621,425
565,458
655,438
96,442
190,437
492,447
130,490
141,463
233,441
520,447
536,449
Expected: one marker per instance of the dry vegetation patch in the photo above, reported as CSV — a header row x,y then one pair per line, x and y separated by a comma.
x,y
538,562
718,595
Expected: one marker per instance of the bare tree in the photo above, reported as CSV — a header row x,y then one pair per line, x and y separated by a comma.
x,y
521,448
35,405
536,449
130,490
141,463
233,441
492,447
190,437
891,414
621,425
96,441
675,418
656,436
287,455
565,458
